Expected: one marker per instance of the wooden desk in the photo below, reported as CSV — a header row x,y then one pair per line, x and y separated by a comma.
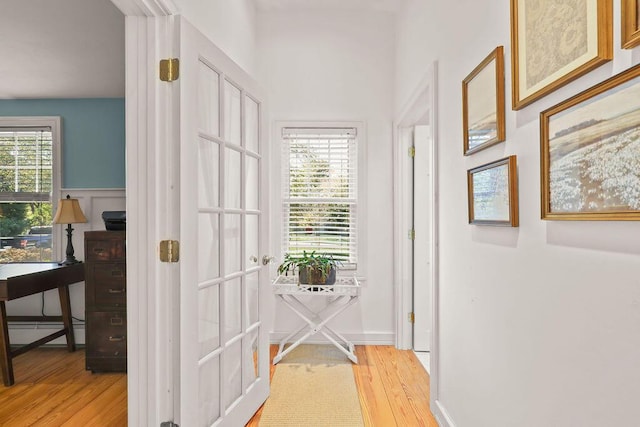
x,y
22,279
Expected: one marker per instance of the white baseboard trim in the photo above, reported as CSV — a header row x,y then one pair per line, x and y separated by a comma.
x,y
442,416
367,338
25,333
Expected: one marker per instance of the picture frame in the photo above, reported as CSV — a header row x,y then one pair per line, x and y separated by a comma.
x,y
483,115
630,23
493,193
555,42
590,153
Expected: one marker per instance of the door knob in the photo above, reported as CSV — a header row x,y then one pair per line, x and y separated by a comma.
x,y
266,260
253,258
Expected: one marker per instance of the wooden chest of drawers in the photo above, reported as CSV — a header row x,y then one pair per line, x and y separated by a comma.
x,y
105,301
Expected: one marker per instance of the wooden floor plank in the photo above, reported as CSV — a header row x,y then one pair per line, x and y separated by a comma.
x,y
386,362
376,410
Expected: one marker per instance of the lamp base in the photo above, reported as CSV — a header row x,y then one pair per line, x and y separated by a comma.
x,y
69,262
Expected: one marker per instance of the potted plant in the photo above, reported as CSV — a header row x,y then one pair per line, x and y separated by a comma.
x,y
313,268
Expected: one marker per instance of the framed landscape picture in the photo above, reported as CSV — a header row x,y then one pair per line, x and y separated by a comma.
x,y
630,23
555,42
590,153
493,193
483,104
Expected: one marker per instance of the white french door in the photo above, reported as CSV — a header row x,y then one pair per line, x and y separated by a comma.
x,y
224,357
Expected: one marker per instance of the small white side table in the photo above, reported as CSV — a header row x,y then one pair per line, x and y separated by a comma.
x,y
343,294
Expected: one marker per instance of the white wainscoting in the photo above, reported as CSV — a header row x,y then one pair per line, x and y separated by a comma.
x,y
93,202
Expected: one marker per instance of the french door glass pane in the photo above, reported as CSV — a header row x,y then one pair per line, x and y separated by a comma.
x,y
252,298
232,113
251,127
208,100
208,246
232,181
253,258
232,308
209,392
208,177
209,319
253,183
250,355
233,372
232,243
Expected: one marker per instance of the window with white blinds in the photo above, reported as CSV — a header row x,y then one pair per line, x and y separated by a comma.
x,y
26,164
320,192
26,188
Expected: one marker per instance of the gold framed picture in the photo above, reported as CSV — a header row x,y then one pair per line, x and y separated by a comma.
x,y
493,193
590,153
483,104
630,23
555,42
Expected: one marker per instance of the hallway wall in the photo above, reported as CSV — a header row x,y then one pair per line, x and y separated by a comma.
x,y
337,65
539,325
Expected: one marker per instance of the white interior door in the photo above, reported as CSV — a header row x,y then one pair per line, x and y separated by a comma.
x,y
422,224
224,372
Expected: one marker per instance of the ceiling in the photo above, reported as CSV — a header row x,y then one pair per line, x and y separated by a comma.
x,y
75,48
61,49
381,5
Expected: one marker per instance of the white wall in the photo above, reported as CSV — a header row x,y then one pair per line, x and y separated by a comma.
x,y
539,325
230,24
324,65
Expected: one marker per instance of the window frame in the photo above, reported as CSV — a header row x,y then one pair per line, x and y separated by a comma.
x,y
361,200
55,123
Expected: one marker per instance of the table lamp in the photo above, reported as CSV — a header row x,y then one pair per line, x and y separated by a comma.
x,y
69,212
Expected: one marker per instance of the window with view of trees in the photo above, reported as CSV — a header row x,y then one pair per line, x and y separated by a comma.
x,y
26,187
320,192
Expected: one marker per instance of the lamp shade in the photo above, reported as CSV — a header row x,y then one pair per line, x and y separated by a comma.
x,y
69,212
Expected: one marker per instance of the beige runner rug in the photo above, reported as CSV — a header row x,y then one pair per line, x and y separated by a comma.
x,y
313,386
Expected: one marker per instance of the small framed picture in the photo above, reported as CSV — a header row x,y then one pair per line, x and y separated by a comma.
x,y
493,193
483,104
555,42
630,23
590,153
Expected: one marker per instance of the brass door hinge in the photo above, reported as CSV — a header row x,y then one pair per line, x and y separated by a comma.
x,y
169,251
412,318
412,234
169,69
412,151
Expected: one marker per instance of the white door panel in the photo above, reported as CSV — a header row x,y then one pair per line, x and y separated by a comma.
x,y
422,220
224,372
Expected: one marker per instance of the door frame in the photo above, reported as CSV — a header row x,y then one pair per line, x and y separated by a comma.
x,y
423,101
152,210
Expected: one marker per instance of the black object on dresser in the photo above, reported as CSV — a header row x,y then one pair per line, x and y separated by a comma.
x,y
105,301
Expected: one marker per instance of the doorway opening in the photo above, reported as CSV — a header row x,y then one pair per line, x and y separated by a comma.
x,y
416,226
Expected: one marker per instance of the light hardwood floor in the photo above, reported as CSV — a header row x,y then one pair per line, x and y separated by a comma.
x,y
393,388
53,389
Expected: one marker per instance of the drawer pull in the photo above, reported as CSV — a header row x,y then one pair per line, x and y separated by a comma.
x,y
116,338
116,273
98,250
117,321
116,291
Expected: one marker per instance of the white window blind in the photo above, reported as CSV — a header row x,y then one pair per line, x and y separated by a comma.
x,y
26,164
320,192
